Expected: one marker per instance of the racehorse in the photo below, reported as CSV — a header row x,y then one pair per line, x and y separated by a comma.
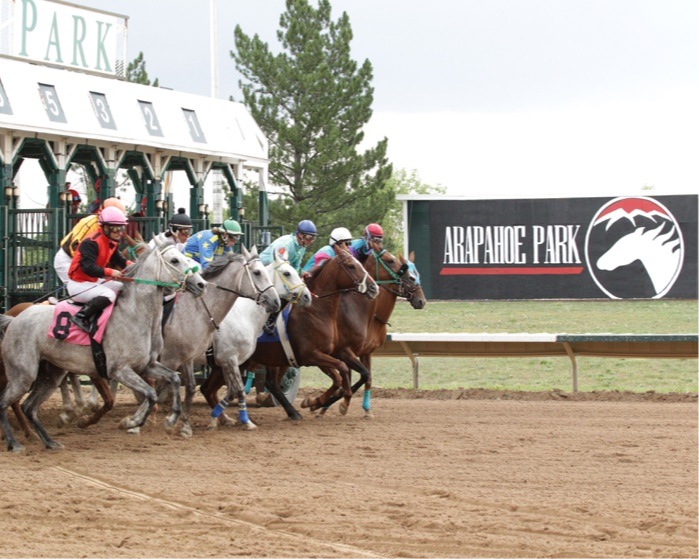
x,y
311,330
132,342
236,338
362,324
189,330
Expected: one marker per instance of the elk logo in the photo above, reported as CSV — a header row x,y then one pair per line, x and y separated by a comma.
x,y
634,248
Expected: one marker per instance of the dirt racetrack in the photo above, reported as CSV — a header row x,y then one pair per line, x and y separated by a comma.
x,y
451,474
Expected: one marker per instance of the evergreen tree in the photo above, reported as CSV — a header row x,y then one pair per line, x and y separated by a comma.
x,y
136,71
311,101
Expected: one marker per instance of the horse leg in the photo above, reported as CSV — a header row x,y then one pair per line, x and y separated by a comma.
x,y
68,413
272,384
234,382
209,389
355,364
338,373
44,386
102,386
157,371
190,388
128,377
77,392
22,421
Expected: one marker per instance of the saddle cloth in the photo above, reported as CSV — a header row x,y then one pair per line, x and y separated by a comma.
x,y
269,338
63,329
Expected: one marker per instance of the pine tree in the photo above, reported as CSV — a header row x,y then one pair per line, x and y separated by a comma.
x,y
136,71
311,101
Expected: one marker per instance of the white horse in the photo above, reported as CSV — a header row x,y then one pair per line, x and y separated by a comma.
x,y
237,335
659,254
132,343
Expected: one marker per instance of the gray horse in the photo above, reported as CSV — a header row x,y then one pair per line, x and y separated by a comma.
x,y
189,331
132,342
236,338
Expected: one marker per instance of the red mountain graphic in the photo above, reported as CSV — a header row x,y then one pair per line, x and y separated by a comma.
x,y
630,208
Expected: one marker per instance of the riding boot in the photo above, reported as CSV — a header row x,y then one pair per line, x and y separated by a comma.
x,y
83,319
271,323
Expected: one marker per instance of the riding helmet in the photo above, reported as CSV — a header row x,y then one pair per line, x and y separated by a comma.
x,y
231,227
307,227
180,220
340,234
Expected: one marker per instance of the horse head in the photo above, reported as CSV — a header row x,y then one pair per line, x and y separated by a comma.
x,y
397,275
177,271
261,288
287,281
344,272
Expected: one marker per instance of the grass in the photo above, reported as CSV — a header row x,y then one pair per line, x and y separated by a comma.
x,y
540,374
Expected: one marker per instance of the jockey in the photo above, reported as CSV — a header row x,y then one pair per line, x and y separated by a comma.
x,y
294,247
205,245
340,237
85,228
178,232
95,264
372,240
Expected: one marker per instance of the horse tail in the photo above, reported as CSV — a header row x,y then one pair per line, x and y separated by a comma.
x,y
4,323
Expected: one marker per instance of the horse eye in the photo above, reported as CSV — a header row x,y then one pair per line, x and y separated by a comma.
x,y
287,274
174,260
257,273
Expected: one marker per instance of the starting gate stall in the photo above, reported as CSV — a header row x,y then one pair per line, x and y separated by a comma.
x,y
75,107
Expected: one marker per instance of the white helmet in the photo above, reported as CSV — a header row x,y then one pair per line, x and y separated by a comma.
x,y
340,234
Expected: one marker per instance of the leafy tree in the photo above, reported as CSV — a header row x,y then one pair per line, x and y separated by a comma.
x,y
136,71
404,182
311,101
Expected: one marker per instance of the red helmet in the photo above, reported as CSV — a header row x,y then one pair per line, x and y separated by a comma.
x,y
114,202
373,230
112,216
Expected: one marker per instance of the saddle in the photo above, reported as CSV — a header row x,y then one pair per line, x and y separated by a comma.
x,y
61,328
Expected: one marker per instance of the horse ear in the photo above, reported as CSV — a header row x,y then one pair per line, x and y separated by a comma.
x,y
158,242
411,257
245,252
253,251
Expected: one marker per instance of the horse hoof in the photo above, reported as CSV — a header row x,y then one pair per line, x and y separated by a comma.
x,y
53,445
84,422
134,431
343,408
15,448
306,403
63,420
368,414
170,420
186,431
127,423
249,426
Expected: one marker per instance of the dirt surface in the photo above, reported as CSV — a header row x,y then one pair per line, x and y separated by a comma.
x,y
444,474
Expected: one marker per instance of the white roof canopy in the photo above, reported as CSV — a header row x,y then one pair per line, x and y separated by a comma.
x,y
50,103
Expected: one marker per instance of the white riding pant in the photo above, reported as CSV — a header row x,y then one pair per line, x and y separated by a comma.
x,y
61,263
86,291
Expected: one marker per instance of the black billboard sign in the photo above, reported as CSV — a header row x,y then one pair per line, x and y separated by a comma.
x,y
623,248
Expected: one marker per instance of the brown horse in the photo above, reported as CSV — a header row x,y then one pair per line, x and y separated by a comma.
x,y
312,333
363,324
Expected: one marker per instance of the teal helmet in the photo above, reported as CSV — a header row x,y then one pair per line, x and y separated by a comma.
x,y
231,227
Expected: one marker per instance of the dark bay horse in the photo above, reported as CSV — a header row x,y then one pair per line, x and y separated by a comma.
x,y
312,332
362,325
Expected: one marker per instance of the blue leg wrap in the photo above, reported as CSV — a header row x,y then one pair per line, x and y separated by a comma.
x,y
366,402
248,381
222,405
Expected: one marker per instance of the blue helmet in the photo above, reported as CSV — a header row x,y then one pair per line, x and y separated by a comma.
x,y
306,227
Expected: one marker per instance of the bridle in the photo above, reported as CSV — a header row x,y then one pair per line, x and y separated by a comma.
x,y
259,293
405,283
180,277
360,286
293,292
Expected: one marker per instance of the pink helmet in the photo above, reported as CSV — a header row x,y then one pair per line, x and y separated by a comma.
x,y
373,230
112,215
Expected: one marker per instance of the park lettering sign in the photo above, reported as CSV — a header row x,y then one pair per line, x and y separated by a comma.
x,y
62,34
632,247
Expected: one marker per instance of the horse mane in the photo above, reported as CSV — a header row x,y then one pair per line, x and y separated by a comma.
x,y
133,269
219,263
